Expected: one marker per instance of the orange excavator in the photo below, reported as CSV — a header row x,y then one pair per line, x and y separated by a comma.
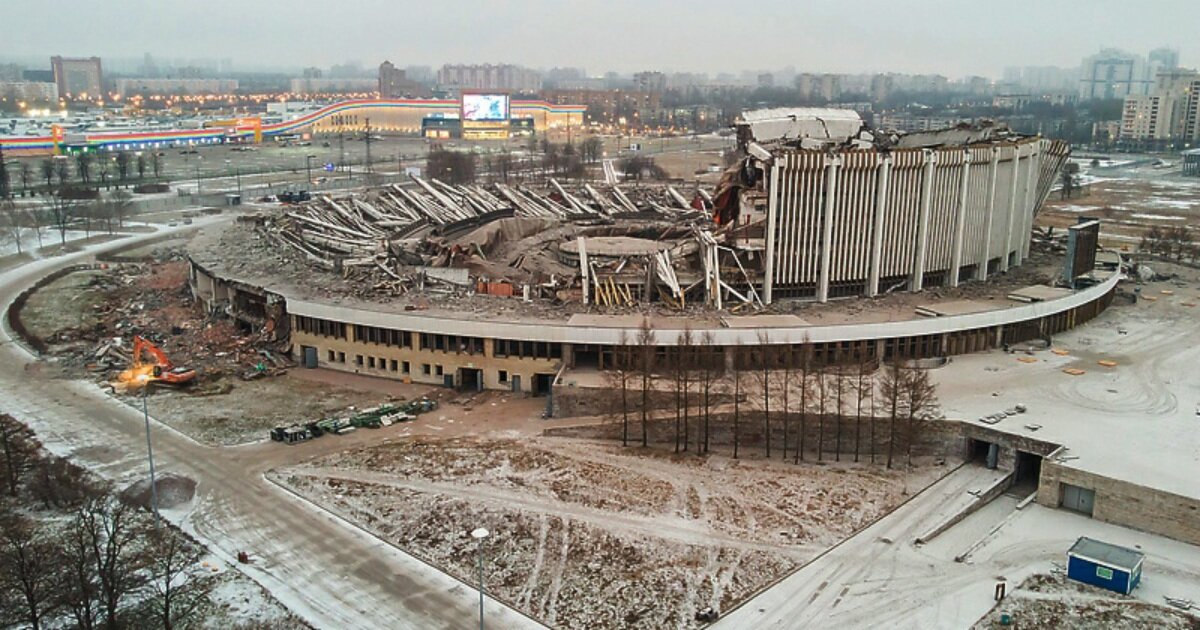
x,y
159,370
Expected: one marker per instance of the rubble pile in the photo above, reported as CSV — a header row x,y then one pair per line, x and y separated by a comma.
x,y
435,239
152,300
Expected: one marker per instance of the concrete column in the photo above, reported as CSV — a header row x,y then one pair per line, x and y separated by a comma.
x,y
1035,162
772,210
831,183
1012,208
960,218
993,168
881,195
918,274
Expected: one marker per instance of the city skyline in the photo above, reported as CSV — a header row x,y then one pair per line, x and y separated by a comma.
x,y
819,37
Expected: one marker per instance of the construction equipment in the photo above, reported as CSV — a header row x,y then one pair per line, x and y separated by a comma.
x,y
159,370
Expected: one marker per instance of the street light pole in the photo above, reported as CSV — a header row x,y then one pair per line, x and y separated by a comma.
x,y
150,455
479,535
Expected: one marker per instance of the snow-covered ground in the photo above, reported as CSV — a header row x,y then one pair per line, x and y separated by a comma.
x,y
30,242
880,578
1135,422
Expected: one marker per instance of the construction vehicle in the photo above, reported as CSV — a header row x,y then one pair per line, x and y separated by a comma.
x,y
159,369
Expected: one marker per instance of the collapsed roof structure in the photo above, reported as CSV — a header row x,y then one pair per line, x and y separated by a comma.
x,y
816,206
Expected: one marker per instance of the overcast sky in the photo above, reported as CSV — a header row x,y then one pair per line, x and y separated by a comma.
x,y
954,38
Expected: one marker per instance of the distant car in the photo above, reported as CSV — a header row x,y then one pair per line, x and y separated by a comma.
x,y
304,143
172,224
187,221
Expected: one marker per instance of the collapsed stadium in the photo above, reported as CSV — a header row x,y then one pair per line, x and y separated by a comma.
x,y
823,233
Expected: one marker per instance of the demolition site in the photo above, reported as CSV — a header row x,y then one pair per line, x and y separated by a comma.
x,y
834,354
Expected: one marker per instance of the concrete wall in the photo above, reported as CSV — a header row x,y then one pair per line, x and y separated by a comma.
x,y
859,221
450,361
1125,503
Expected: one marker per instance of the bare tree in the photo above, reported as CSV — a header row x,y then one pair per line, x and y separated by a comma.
x,y
114,532
864,387
920,406
141,165
737,398
841,394
29,571
823,398
708,375
103,170
11,220
47,168
645,344
177,591
25,172
156,164
58,483
619,375
62,170
804,362
122,165
83,165
121,206
81,580
687,354
19,450
679,370
787,359
763,375
891,393
61,211
5,180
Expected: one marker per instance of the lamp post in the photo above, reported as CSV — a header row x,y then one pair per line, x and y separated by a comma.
x,y
308,167
150,455
479,535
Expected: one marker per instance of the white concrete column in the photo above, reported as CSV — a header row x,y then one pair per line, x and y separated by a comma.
x,y
772,211
960,217
918,273
831,187
1012,207
1035,163
881,195
993,168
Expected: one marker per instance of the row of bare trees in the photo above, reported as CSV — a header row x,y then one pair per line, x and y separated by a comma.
x,y
787,387
61,213
1173,242
75,554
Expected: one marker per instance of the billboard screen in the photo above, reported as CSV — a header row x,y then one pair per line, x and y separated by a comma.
x,y
485,107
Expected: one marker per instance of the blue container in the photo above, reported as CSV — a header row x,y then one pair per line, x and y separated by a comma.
x,y
1111,567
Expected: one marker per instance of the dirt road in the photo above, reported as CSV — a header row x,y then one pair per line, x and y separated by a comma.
x,y
329,573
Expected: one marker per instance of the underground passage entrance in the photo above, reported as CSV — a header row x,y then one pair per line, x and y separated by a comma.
x,y
1028,471
982,452
542,384
470,379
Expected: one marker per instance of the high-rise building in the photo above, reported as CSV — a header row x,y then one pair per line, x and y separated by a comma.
x,y
1164,58
650,82
78,77
1164,116
825,87
503,77
1113,73
394,83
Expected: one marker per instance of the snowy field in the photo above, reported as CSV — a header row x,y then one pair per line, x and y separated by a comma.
x,y
591,535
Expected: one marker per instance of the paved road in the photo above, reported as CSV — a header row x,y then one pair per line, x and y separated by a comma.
x,y
878,578
328,572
